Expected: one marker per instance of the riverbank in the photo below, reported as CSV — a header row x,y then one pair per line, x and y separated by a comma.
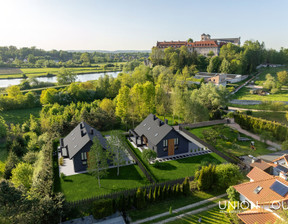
x,y
42,72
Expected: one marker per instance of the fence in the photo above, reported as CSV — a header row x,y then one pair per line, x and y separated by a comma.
x,y
140,164
204,124
83,202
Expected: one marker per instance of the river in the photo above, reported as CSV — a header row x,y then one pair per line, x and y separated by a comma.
x,y
80,78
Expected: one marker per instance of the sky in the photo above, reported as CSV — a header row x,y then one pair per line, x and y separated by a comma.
x,y
138,25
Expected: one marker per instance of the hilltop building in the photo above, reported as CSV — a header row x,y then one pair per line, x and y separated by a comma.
x,y
204,46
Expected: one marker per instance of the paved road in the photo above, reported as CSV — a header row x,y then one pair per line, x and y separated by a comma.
x,y
245,132
181,209
270,157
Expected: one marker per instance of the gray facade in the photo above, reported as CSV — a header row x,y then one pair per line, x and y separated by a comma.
x,y
160,137
77,144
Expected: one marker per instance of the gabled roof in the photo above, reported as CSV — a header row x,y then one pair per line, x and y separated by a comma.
x,y
265,195
80,136
257,215
151,129
285,157
257,174
261,164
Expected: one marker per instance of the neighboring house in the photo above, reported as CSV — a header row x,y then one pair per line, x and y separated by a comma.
x,y
204,46
77,144
160,137
257,174
263,192
261,164
282,160
218,79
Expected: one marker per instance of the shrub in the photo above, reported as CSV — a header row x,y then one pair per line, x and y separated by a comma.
x,y
102,208
150,195
61,161
233,195
149,154
186,186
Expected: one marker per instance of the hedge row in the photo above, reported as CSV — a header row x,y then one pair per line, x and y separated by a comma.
x,y
257,125
140,199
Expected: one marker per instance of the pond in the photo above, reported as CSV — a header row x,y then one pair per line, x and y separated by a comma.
x,y
80,78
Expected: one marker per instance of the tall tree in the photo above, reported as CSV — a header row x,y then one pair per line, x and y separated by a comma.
x,y
117,147
65,76
123,104
97,160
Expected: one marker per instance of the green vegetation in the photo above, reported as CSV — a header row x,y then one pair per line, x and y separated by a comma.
x,y
212,216
82,186
21,115
264,71
164,206
179,168
229,144
272,116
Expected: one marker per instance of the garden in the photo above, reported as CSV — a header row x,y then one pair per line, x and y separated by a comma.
x,y
224,139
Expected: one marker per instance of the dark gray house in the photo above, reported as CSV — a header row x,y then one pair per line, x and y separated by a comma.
x,y
77,144
160,137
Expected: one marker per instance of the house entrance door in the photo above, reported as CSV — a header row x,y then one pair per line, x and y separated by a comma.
x,y
170,147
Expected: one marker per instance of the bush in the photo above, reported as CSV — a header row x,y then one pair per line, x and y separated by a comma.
x,y
102,208
61,161
186,186
233,195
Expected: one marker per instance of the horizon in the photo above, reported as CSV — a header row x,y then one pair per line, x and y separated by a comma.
x,y
132,25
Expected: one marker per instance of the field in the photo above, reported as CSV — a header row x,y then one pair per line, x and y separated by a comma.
x,y
19,116
244,93
82,186
34,72
213,216
231,145
180,168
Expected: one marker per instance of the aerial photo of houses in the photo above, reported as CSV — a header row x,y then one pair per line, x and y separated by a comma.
x,y
133,112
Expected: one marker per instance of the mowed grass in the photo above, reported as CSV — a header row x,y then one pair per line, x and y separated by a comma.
x,y
35,72
212,216
180,168
174,202
81,186
19,116
244,94
272,116
227,146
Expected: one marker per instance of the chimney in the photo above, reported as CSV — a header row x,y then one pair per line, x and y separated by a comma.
x,y
154,117
166,121
81,125
83,133
61,142
159,122
92,131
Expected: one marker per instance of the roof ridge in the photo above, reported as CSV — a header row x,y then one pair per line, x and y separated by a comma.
x,y
272,177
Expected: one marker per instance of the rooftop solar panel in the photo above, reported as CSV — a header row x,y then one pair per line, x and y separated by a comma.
x,y
279,188
284,169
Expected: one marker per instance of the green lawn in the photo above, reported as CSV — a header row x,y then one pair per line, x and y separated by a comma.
x,y
163,206
227,146
213,216
180,168
244,93
272,116
19,116
176,169
82,186
34,72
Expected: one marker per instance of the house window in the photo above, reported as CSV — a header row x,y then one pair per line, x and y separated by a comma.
x,y
175,141
165,143
84,158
